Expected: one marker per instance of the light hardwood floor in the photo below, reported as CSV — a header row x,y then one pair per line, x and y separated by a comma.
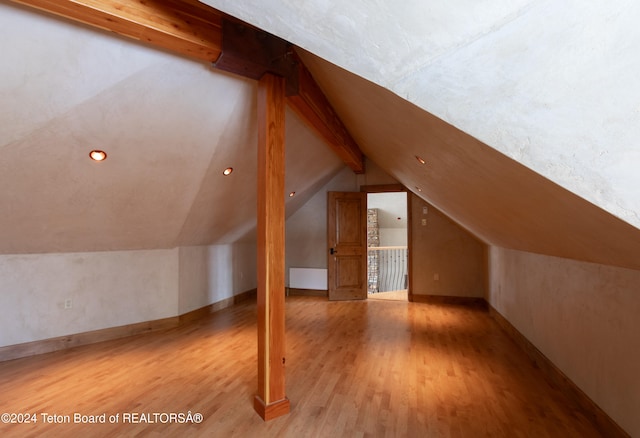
x,y
354,369
396,295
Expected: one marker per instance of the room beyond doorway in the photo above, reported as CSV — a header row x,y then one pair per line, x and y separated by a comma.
x,y
387,250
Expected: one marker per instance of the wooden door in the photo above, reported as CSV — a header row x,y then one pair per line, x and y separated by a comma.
x,y
347,240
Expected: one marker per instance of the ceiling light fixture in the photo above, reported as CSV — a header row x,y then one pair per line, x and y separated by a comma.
x,y
292,194
418,188
420,160
227,171
97,155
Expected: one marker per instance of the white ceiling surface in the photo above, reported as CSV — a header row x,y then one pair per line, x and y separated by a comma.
x,y
494,197
169,126
550,84
392,208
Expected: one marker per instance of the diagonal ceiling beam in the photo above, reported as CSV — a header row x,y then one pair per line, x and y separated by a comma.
x,y
311,104
196,30
184,26
251,52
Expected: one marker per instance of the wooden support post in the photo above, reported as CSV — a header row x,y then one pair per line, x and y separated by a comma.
x,y
270,401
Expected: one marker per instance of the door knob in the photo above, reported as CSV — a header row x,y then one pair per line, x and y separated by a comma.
x,y
333,251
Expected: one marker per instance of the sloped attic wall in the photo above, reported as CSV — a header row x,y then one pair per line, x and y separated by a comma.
x,y
169,126
494,197
550,84
151,232
582,316
556,302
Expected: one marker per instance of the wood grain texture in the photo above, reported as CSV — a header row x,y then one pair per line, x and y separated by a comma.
x,y
307,292
411,247
359,368
446,299
251,52
187,27
347,240
197,314
395,295
271,243
49,345
310,103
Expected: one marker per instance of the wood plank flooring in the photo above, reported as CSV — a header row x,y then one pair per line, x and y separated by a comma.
x,y
354,369
395,295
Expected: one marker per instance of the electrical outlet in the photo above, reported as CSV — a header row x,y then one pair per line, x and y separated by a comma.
x,y
68,303
436,277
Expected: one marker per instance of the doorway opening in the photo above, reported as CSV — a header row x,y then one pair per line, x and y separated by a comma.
x,y
387,246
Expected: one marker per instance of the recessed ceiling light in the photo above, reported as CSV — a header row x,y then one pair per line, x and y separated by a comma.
x,y
227,171
418,189
420,160
292,194
97,155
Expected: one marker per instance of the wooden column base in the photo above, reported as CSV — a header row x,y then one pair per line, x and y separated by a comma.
x,y
272,410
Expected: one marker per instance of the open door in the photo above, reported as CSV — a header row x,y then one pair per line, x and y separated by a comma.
x,y
347,239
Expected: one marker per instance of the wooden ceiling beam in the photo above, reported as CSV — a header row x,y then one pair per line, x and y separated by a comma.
x,y
252,53
311,104
187,27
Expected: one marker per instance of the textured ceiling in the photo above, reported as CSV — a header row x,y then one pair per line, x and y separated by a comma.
x,y
392,208
169,127
517,106
550,84
497,199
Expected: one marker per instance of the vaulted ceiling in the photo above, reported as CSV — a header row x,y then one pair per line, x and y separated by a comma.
x,y
169,125
524,112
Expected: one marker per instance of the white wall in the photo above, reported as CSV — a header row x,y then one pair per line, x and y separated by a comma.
x,y
306,229
442,249
393,236
111,289
107,289
209,274
582,316
545,82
